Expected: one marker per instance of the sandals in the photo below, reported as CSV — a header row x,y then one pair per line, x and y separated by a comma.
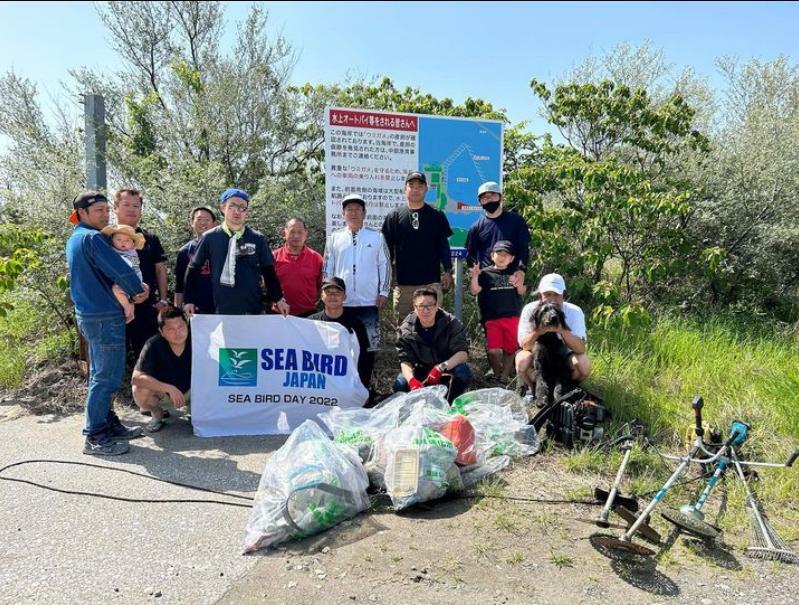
x,y
155,425
148,413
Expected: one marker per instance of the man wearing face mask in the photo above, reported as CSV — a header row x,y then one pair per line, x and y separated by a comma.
x,y
497,225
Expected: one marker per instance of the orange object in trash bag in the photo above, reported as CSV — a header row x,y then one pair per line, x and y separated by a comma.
x,y
461,432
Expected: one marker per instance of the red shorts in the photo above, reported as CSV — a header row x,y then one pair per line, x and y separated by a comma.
x,y
501,334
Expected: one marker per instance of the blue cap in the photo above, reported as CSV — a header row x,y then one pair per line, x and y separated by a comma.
x,y
233,192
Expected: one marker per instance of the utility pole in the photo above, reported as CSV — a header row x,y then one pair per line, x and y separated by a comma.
x,y
94,111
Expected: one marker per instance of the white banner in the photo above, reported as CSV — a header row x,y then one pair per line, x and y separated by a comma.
x,y
266,374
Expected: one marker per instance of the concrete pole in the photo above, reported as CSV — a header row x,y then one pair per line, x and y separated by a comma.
x,y
94,111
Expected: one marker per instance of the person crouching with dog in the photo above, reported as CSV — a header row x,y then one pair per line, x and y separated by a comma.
x,y
572,335
500,302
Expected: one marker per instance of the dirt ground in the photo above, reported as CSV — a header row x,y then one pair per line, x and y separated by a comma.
x,y
505,549
503,546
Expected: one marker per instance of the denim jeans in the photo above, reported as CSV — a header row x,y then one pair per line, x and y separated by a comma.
x,y
370,317
106,341
461,378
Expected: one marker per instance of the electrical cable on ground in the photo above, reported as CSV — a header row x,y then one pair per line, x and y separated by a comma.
x,y
249,499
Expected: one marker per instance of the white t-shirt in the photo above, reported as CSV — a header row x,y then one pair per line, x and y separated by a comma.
x,y
575,319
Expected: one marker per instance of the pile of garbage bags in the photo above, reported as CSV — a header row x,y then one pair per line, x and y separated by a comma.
x,y
415,446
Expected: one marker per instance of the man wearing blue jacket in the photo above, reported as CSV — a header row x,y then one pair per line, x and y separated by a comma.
x,y
94,267
240,260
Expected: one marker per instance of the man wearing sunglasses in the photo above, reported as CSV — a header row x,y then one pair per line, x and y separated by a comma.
x,y
417,236
239,258
432,348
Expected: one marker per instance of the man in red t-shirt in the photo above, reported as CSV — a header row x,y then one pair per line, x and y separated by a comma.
x,y
299,269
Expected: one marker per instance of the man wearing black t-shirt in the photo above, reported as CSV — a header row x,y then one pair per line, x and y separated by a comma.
x,y
163,371
334,293
417,236
128,205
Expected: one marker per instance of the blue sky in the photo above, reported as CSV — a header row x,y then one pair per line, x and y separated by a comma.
x,y
454,49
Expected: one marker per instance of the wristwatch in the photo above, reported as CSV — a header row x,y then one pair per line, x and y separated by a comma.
x,y
443,366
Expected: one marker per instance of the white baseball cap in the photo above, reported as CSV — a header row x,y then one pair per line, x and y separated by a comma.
x,y
489,187
552,282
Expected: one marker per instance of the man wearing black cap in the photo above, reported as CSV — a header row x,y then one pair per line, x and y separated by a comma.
x,y
334,293
495,225
201,219
500,302
417,236
359,256
94,267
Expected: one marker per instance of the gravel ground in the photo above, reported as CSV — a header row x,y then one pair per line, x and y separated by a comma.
x,y
63,548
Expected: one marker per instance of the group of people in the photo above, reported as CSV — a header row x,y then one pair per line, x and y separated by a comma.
x,y
119,279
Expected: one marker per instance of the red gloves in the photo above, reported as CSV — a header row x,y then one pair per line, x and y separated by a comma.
x,y
434,377
414,384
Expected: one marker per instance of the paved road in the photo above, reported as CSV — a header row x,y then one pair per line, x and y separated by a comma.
x,y
61,548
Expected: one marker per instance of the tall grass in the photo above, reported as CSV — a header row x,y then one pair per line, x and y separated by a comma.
x,y
743,370
29,336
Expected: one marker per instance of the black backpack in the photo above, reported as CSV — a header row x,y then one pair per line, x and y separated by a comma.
x,y
578,417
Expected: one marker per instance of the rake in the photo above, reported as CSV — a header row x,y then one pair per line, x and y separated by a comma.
x,y
766,543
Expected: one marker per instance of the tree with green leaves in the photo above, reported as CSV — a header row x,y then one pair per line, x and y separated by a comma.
x,y
609,207
748,221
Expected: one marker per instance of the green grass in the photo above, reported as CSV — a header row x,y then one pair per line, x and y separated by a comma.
x,y
29,335
653,373
742,371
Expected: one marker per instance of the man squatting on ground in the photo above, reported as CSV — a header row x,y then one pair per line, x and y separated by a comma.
x,y
334,294
94,267
552,288
432,348
163,371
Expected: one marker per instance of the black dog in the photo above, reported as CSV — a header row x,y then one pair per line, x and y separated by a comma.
x,y
550,356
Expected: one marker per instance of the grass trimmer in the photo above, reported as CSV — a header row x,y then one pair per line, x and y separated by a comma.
x,y
613,498
625,544
690,517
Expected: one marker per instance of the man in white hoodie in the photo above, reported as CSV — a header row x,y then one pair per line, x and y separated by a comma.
x,y
359,256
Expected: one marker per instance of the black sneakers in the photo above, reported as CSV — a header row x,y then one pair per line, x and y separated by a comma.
x,y
104,445
120,431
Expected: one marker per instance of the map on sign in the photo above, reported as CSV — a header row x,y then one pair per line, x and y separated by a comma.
x,y
458,156
370,152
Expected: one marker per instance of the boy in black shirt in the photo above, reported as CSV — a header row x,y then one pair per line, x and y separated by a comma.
x,y
334,293
500,304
